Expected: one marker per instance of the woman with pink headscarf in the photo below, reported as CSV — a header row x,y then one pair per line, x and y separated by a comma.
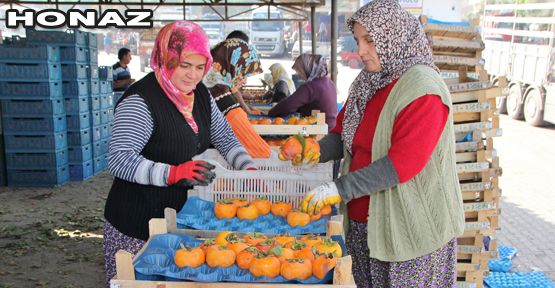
x,y
160,123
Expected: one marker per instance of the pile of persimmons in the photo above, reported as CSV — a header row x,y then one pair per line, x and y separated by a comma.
x,y
285,255
245,210
293,120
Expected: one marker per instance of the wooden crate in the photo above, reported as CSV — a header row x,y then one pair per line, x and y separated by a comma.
x,y
125,272
320,129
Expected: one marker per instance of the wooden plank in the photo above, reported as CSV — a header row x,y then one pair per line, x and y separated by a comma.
x,y
291,129
472,167
469,267
467,127
468,86
464,284
479,206
170,284
124,266
471,107
450,42
456,60
342,273
468,146
469,249
476,186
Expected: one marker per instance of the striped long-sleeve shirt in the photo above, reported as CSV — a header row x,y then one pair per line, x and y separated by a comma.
x,y
132,128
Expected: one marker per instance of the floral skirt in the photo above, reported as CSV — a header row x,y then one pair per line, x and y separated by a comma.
x,y
113,242
436,269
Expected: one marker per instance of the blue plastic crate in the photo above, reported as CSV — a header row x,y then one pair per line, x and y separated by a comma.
x,y
104,116
30,90
519,279
37,124
100,164
105,73
92,71
95,118
104,102
94,87
70,37
75,88
74,72
110,115
46,142
92,40
96,133
95,103
110,100
80,172
97,149
38,177
117,96
30,72
105,146
36,160
93,56
105,131
78,122
105,87
80,154
32,107
79,138
73,54
29,54
77,105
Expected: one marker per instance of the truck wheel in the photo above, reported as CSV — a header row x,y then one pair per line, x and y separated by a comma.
x,y
514,105
501,104
533,112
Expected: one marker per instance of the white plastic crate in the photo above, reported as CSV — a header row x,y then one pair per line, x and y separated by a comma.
x,y
278,180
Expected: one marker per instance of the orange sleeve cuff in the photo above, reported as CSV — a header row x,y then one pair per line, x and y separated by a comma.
x,y
255,145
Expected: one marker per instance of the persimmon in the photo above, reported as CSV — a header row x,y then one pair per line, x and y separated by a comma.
x,y
188,257
322,264
284,239
311,239
240,201
254,238
265,121
247,212
208,244
220,257
315,217
278,121
292,120
311,147
265,265
225,209
328,246
301,249
282,253
244,258
237,244
281,209
266,245
297,268
312,120
326,210
263,205
223,237
253,121
292,149
301,121
298,218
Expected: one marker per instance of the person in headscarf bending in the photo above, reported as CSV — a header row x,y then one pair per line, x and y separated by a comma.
x,y
234,61
282,85
317,93
399,180
160,123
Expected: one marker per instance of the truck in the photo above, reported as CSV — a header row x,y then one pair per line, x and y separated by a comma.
x,y
268,36
519,45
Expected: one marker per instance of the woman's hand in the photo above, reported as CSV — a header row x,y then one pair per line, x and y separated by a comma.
x,y
192,173
319,197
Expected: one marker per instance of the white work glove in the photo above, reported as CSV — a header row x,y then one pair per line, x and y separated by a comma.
x,y
319,197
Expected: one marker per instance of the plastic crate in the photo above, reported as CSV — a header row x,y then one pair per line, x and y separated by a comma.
x,y
105,73
276,179
70,37
110,100
105,131
94,87
41,124
95,118
92,40
104,116
104,102
38,177
81,171
36,160
46,142
77,105
74,54
96,133
97,149
80,154
31,90
75,88
78,122
29,72
104,146
29,54
74,72
79,138
110,116
117,96
92,71
95,103
93,56
32,107
100,163
105,87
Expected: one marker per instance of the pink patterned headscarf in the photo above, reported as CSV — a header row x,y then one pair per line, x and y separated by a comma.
x,y
174,42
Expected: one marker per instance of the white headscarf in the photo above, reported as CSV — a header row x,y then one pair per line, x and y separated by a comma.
x,y
279,73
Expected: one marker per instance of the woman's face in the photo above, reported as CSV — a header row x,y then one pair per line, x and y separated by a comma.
x,y
366,49
189,72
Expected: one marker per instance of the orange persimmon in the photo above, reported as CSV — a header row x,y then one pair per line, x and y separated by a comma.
x,y
325,210
247,212
263,205
322,264
254,238
223,237
225,209
244,258
328,246
297,268
297,218
220,257
311,239
188,257
265,265
281,209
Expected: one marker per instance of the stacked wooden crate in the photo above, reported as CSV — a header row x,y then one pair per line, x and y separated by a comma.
x,y
457,52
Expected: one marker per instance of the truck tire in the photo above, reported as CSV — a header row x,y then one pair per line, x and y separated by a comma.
x,y
501,101
514,103
533,112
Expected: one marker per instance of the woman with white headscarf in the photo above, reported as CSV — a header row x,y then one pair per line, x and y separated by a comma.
x,y
282,85
399,184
